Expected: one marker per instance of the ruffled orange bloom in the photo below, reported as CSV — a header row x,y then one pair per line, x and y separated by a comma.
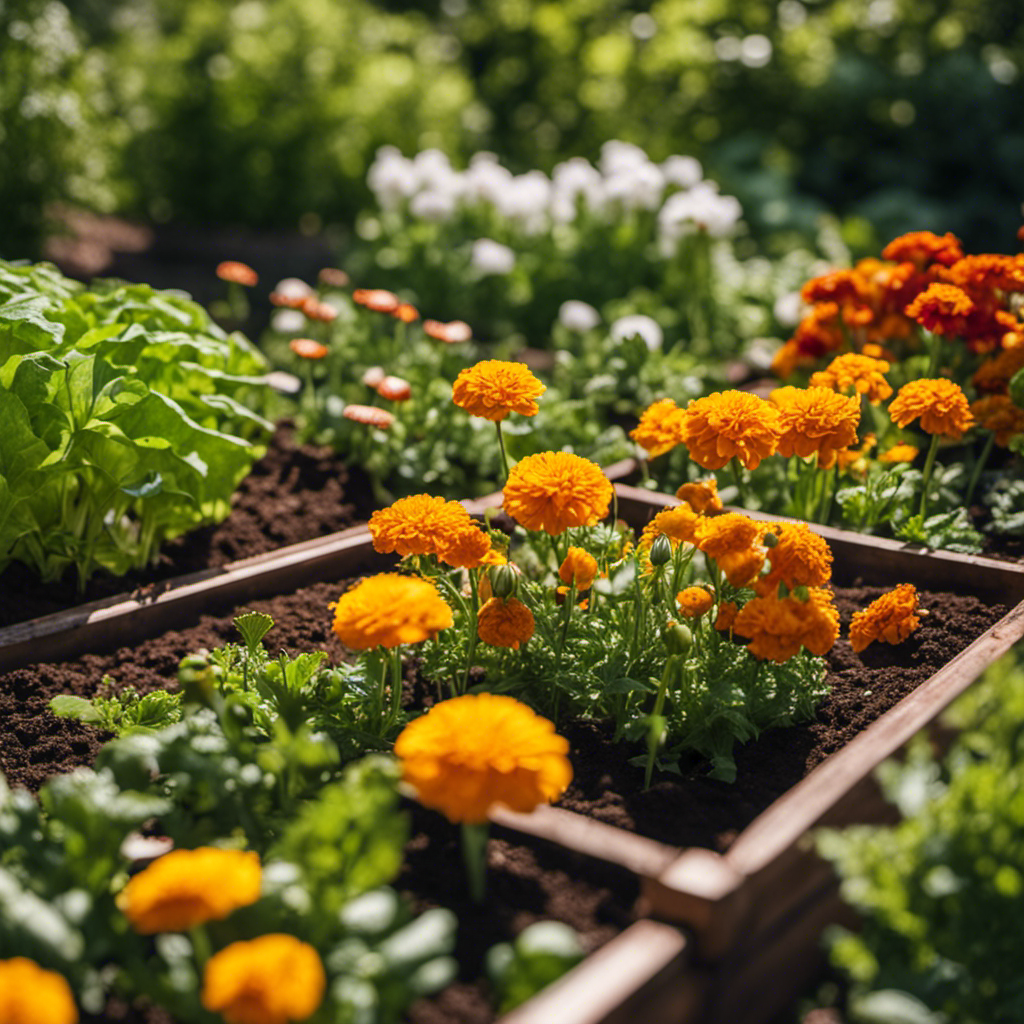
x,y
493,388
861,373
406,312
778,627
999,414
942,308
288,300
988,272
452,333
307,348
727,612
395,389
891,617
468,754
579,567
995,373
369,415
695,601
418,525
466,548
734,542
899,453
274,979
924,248
378,299
815,421
556,491
731,424
186,888
701,495
333,277
839,286
798,558
237,273
660,428
504,623
677,522
939,404
31,995
388,610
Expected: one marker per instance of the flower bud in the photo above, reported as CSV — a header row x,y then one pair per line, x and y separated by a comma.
x,y
504,580
661,550
196,677
770,540
678,638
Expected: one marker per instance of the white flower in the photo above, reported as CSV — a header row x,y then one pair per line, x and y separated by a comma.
x,y
683,171
571,180
433,169
618,156
490,257
525,200
293,288
288,321
629,326
700,208
578,316
485,180
434,204
789,309
391,178
639,187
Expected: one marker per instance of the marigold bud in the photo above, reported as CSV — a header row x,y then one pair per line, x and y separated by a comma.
x,y
504,580
661,550
678,638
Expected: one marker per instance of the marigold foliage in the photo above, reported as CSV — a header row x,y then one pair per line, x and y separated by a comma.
x,y
556,491
778,627
816,421
579,567
274,979
1000,415
493,388
388,610
734,542
942,308
939,404
701,495
860,373
504,623
468,754
695,601
799,558
891,617
419,525
186,888
731,424
661,428
31,995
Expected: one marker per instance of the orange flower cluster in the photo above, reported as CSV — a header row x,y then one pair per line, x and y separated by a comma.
x,y
556,491
378,299
731,424
815,421
660,428
695,601
891,617
453,333
942,308
727,612
778,627
798,558
31,995
859,372
1000,415
701,495
939,404
579,567
504,622
677,522
993,376
425,525
493,388
388,610
470,753
734,541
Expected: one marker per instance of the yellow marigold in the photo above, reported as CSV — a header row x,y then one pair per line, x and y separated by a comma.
x,y
899,453
467,754
660,428
799,558
274,979
942,308
418,525
731,424
388,610
555,491
185,888
734,542
695,601
816,421
861,373
579,567
467,548
31,995
999,414
677,522
701,495
727,612
504,623
778,627
493,388
891,617
939,404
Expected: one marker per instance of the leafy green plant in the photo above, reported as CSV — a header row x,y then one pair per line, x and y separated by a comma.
x,y
540,954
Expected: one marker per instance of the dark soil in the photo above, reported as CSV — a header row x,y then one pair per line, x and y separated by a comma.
x,y
294,493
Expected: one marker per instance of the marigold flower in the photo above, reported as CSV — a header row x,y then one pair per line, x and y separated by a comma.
x,y
185,888
999,414
494,388
388,610
378,299
466,548
734,542
369,415
899,453
373,376
778,627
504,623
695,601
994,374
406,312
270,980
579,567
677,522
288,300
816,421
839,286
333,277
395,389
731,424
237,273
799,558
939,404
31,995
467,754
987,272
923,248
727,612
307,348
701,495
942,308
660,428
453,333
862,373
317,310
891,617
555,491
418,525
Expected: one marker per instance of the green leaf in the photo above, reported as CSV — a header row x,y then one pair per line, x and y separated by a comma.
x,y
253,627
67,706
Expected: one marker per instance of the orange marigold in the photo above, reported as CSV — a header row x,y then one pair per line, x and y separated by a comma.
x,y
470,753
899,453
677,522
816,421
701,495
307,348
494,388
579,567
378,299
418,525
185,888
861,373
999,414
504,623
660,428
987,272
388,610
727,612
237,273
695,601
333,277
369,415
994,374
942,308
555,491
406,312
891,617
731,424
798,558
452,333
31,995
394,389
939,404
734,542
274,979
840,286
778,627
467,548
923,248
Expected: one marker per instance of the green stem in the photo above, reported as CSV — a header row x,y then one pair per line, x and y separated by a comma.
x,y
738,476
934,343
979,465
929,465
501,446
474,856
396,686
828,494
472,635
657,728
200,946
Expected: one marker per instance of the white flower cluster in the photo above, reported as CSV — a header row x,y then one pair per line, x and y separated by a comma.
x,y
624,180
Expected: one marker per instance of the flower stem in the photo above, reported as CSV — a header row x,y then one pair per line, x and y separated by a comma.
x,y
396,686
979,465
200,946
501,446
738,476
474,856
472,617
929,465
657,727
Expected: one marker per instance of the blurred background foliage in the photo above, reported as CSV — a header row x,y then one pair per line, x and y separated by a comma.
x,y
894,114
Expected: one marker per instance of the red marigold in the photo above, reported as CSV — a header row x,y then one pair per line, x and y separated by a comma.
x,y
942,308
